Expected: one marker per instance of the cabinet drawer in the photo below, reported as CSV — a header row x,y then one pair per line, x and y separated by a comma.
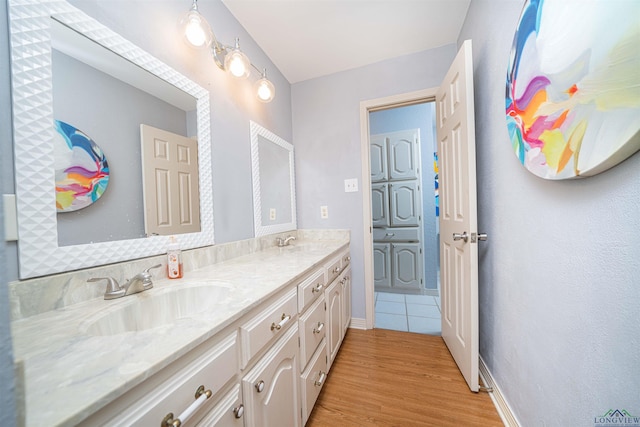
x,y
310,290
312,330
148,405
267,325
313,379
227,412
333,269
396,234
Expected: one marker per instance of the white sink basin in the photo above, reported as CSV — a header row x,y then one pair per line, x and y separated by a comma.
x,y
155,308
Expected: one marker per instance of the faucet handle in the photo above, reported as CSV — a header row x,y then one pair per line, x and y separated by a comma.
x,y
155,266
146,277
113,288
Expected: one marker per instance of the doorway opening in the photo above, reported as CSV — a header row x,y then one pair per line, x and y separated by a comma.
x,y
404,181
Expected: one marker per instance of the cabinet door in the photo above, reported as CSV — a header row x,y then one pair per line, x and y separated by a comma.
x,y
382,265
271,389
346,301
379,205
406,265
378,149
405,204
403,155
334,321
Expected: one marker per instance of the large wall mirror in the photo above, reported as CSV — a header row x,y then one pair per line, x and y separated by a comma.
x,y
274,200
54,49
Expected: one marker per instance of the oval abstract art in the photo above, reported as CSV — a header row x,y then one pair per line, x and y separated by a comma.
x,y
573,86
81,169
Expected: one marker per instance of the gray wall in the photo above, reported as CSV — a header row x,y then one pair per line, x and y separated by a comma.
x,y
233,104
7,402
326,133
420,116
559,275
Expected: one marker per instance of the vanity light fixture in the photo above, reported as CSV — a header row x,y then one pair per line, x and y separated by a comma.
x,y
198,33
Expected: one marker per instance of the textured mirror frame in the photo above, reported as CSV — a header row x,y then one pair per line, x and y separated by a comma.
x,y
260,228
30,35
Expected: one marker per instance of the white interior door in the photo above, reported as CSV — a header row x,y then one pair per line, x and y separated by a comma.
x,y
458,214
170,182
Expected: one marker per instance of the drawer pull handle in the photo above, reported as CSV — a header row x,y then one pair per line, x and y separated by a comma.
x,y
320,380
284,321
238,411
260,386
319,328
201,396
347,259
336,270
317,288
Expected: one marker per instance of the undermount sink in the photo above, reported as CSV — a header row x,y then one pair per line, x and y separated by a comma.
x,y
156,308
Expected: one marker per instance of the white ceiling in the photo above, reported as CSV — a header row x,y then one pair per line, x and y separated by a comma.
x,y
312,38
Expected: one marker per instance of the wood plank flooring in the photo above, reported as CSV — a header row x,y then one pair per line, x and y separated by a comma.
x,y
389,378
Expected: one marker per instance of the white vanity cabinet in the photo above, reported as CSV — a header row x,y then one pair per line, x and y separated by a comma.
x,y
266,368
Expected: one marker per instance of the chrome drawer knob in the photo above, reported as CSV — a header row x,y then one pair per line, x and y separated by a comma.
x,y
238,411
260,386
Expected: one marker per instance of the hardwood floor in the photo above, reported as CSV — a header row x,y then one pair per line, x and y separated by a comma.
x,y
389,378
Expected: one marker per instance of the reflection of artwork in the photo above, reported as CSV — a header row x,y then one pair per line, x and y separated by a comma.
x,y
437,185
82,172
573,86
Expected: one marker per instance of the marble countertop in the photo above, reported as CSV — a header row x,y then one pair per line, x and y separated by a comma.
x,y
71,373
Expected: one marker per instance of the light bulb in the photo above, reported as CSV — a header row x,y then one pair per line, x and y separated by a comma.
x,y
196,29
195,34
237,63
265,90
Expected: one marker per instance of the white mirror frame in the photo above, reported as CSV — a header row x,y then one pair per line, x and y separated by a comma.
x,y
39,253
262,229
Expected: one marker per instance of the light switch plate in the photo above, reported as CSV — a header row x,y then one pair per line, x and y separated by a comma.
x,y
272,214
351,185
10,217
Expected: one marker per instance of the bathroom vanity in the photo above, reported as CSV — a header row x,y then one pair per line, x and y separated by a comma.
x,y
258,332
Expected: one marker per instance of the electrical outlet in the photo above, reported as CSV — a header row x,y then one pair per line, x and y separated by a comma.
x,y
351,185
324,212
272,214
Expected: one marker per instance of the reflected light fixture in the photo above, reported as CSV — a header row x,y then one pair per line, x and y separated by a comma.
x,y
198,33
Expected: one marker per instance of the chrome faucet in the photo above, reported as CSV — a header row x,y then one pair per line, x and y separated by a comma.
x,y
138,283
284,242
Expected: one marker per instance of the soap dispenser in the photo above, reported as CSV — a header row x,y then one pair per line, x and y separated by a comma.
x,y
174,259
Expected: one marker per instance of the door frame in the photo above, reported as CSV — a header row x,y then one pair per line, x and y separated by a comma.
x,y
367,106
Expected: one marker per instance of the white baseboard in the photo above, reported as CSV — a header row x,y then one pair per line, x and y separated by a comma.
x,y
358,323
503,408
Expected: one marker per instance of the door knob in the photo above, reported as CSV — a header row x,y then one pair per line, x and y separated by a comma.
x,y
464,236
482,236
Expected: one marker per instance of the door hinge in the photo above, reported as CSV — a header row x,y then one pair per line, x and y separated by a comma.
x,y
298,341
325,306
420,250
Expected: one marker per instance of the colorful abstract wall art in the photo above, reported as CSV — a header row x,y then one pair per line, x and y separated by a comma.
x,y
573,86
81,169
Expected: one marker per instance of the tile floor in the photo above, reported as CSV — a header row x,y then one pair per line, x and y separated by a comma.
x,y
409,313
